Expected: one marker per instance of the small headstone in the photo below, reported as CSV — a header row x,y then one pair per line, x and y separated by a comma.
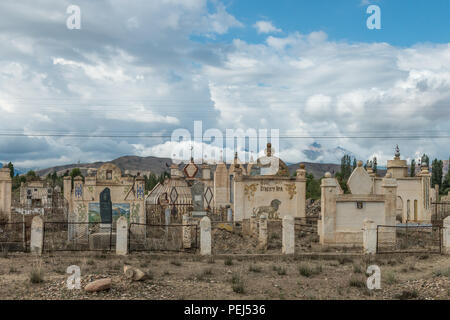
x,y
288,235
263,232
37,235
122,236
205,236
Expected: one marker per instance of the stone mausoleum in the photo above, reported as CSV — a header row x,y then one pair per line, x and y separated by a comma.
x,y
105,195
265,187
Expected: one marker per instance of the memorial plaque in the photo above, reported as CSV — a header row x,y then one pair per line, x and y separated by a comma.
x,y
197,191
106,206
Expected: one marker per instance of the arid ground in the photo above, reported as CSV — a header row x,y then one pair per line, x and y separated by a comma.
x,y
188,276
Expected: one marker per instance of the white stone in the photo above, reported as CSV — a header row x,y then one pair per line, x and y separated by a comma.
x,y
205,236
288,235
37,235
263,232
122,236
446,236
369,237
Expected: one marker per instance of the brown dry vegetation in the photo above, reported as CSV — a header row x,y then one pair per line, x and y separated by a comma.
x,y
185,276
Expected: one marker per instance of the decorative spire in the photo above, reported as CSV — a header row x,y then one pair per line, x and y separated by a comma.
x,y
397,152
269,149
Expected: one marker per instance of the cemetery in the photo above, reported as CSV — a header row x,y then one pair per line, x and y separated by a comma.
x,y
245,217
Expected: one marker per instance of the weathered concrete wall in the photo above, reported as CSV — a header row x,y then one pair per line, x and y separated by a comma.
x,y
253,193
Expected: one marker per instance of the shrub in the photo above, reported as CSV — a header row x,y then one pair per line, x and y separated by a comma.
x,y
407,294
237,284
228,261
357,282
211,260
307,271
280,270
36,273
254,268
391,278
176,262
344,260
442,272
357,268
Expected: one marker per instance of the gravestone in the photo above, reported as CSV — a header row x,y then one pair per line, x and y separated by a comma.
x,y
37,235
122,236
263,232
197,192
369,236
106,209
205,236
360,182
105,237
288,235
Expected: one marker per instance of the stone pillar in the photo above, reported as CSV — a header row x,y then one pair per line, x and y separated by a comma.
x,y
288,235
327,223
446,236
389,189
300,183
5,193
253,225
187,241
263,232
37,235
369,237
238,195
122,236
205,236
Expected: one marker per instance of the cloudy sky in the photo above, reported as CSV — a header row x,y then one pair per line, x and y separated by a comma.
x,y
138,70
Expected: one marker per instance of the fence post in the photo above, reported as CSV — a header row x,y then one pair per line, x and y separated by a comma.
x,y
288,235
122,236
205,236
370,232
446,236
37,235
187,241
263,232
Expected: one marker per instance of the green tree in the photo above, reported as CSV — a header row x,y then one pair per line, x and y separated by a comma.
x,y
374,164
425,159
312,187
11,169
346,167
354,164
446,183
436,173
342,182
412,170
31,176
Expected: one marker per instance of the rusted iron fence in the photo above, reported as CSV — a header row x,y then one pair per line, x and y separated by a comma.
x,y
14,236
161,237
79,236
410,239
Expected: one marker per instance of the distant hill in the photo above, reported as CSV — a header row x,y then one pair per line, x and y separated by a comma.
x,y
132,163
144,165
317,169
